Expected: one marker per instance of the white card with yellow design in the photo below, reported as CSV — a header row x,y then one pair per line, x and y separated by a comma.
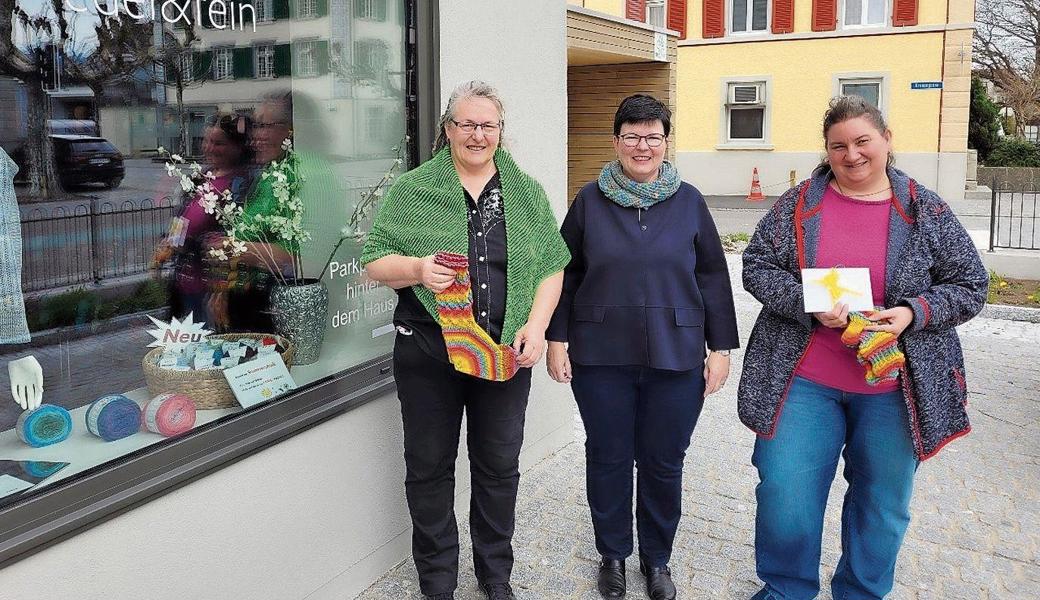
x,y
823,288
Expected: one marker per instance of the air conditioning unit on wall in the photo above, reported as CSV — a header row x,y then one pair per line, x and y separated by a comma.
x,y
749,93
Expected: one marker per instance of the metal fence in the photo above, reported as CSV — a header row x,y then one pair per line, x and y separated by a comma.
x,y
1013,219
90,241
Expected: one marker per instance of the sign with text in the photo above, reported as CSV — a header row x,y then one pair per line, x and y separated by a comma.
x,y
660,47
926,85
259,380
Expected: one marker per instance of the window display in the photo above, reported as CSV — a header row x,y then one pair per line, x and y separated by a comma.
x,y
220,270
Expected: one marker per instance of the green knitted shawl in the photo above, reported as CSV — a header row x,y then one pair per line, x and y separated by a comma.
x,y
425,212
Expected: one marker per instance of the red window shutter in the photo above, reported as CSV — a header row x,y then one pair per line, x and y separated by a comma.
x,y
635,10
677,17
783,16
714,18
824,15
904,12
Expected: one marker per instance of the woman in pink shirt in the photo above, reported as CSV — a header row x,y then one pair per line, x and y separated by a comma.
x,y
225,149
802,388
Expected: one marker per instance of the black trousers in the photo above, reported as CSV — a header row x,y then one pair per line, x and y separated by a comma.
x,y
433,398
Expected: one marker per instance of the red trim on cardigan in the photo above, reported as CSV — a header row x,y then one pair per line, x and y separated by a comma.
x,y
787,391
799,234
915,428
943,443
927,311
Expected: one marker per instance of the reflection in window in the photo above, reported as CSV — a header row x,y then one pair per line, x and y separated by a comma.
x,y
749,15
864,12
222,64
868,89
264,61
120,240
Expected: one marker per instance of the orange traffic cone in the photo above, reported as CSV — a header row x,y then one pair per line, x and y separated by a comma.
x,y
756,188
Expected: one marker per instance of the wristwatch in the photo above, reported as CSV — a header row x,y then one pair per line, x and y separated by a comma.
x,y
721,352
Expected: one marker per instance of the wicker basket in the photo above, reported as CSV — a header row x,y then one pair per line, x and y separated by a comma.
x,y
209,389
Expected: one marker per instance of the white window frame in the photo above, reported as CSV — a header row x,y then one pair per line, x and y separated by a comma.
x,y
224,56
370,12
864,4
725,108
882,78
264,10
187,67
658,4
307,9
305,48
260,52
750,18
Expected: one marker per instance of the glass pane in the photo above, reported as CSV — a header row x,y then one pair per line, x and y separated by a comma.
x,y
853,12
746,123
740,9
868,91
876,12
275,150
758,16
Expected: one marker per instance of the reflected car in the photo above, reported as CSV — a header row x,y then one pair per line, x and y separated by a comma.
x,y
87,159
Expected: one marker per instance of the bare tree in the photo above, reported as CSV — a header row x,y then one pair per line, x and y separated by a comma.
x,y
1006,48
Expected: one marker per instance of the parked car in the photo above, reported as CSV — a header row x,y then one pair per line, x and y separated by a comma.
x,y
80,159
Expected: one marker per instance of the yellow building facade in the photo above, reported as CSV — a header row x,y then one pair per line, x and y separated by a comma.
x,y
748,97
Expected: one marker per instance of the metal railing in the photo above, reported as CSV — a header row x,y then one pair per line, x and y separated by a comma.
x,y
1013,219
88,242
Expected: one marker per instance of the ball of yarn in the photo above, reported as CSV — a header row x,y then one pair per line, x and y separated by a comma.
x,y
169,414
48,424
113,417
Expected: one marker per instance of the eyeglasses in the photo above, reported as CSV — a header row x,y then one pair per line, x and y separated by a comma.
x,y
487,128
631,140
268,125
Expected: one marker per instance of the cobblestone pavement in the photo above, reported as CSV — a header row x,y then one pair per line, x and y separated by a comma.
x,y
975,533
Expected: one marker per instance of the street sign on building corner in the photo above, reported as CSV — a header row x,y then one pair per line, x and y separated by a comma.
x,y
660,47
926,85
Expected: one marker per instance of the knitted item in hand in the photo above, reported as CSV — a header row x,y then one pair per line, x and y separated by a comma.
x,y
470,348
878,351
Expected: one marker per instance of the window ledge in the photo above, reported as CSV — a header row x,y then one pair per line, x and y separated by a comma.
x,y
745,146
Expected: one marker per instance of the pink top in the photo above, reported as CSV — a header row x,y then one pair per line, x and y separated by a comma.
x,y
853,233
190,278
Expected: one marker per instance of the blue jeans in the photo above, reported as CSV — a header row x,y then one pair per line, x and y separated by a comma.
x,y
796,469
636,416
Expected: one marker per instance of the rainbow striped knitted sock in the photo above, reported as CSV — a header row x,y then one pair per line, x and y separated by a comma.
x,y
470,348
878,351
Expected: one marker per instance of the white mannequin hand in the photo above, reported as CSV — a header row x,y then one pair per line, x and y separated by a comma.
x,y
26,382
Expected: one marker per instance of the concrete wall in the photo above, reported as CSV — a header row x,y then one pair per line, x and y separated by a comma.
x,y
322,515
1017,178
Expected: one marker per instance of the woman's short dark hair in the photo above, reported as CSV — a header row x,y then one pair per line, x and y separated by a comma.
x,y
236,129
640,108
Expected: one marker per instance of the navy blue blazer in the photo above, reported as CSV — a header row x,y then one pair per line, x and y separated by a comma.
x,y
644,287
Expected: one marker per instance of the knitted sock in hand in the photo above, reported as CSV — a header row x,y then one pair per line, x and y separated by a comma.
x,y
878,351
470,348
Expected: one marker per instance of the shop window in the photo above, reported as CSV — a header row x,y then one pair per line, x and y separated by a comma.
x,y
223,64
864,13
240,237
264,10
746,111
749,15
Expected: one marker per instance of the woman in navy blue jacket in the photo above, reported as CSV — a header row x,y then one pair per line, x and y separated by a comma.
x,y
646,289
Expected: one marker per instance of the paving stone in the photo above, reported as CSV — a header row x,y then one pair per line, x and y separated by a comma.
x,y
974,535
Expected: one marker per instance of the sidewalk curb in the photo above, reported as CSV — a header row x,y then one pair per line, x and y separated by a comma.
x,y
1011,313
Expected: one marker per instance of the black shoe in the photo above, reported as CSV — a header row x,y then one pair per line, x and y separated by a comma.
x,y
659,584
497,591
611,582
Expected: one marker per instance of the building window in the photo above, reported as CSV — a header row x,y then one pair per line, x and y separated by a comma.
x,y
749,15
308,8
306,59
864,13
868,89
265,61
187,67
746,112
370,10
223,64
264,10
371,58
655,13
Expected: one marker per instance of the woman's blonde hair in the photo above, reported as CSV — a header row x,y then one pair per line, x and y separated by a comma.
x,y
470,89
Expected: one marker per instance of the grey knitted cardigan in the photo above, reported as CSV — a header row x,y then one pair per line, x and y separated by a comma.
x,y
932,267
13,329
